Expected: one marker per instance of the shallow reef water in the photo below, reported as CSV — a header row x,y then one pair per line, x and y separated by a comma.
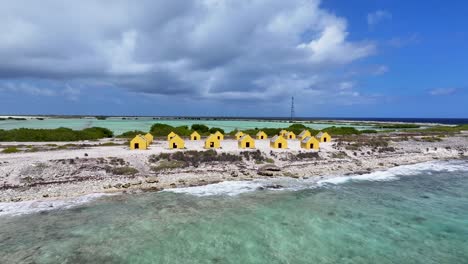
x,y
410,214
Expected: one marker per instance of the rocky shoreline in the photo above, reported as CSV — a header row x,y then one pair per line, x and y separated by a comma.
x,y
48,175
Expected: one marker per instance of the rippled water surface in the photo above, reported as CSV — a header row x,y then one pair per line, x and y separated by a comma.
x,y
405,215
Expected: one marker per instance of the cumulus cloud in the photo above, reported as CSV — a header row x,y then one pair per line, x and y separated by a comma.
x,y
378,16
222,49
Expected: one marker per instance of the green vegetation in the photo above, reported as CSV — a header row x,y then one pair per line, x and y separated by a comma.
x,y
445,129
10,150
13,118
195,158
162,130
342,131
125,170
398,126
109,144
58,134
256,156
431,139
167,165
131,134
101,117
368,131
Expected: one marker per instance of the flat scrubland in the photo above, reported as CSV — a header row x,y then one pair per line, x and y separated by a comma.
x,y
55,170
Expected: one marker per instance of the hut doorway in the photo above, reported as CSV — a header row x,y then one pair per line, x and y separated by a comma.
x,y
247,144
280,145
312,146
211,144
324,139
174,145
137,146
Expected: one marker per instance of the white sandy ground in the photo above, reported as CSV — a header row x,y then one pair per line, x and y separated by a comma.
x,y
13,167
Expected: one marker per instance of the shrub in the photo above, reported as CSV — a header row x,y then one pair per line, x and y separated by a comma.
x,y
194,158
200,128
10,150
256,156
307,155
126,170
131,134
167,165
58,134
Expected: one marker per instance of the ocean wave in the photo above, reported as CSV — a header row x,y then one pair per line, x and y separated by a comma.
x,y
233,188
28,207
400,171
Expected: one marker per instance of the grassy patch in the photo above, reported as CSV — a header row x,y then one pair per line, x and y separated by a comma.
x,y
339,155
431,139
125,170
58,134
11,150
168,165
194,158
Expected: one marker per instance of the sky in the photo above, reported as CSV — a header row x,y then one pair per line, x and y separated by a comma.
x,y
361,58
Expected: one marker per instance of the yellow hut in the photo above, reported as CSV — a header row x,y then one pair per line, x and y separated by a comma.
x,y
290,135
305,133
262,135
149,138
239,135
283,133
176,142
212,142
195,136
171,135
246,141
323,137
138,142
310,143
278,142
219,135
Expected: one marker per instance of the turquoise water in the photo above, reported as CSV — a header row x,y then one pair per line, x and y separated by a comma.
x,y
407,215
118,126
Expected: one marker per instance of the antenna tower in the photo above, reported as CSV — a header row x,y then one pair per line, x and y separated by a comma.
x,y
292,108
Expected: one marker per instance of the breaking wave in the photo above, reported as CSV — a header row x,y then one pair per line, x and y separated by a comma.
x,y
233,188
28,207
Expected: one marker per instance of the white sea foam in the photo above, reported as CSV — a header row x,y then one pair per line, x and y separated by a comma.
x,y
401,171
27,207
232,188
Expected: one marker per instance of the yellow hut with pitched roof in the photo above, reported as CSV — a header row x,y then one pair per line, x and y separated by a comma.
x,y
246,142
238,135
283,133
290,135
305,133
212,142
219,135
149,138
171,135
261,135
138,142
278,142
310,143
323,137
195,136
176,142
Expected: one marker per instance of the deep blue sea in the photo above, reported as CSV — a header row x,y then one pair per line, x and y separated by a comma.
x,y
408,214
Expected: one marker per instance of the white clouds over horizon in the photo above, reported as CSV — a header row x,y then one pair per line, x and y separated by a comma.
x,y
202,49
